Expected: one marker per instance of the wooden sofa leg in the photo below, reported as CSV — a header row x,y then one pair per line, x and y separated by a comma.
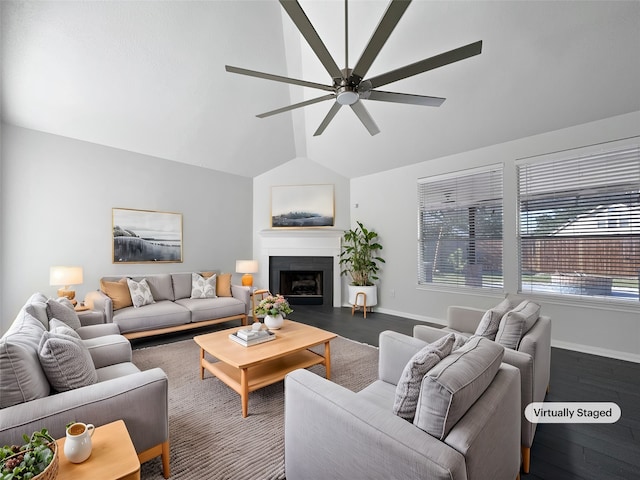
x,y
166,469
526,459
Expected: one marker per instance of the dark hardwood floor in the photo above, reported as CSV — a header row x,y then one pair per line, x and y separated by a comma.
x,y
560,451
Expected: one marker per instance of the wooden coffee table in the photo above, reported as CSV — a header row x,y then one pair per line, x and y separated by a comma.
x,y
113,456
246,369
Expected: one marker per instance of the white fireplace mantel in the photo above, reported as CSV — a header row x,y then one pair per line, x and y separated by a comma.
x,y
302,243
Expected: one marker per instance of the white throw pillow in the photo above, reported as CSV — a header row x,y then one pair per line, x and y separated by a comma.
x,y
488,326
203,287
516,323
408,388
140,292
56,326
63,312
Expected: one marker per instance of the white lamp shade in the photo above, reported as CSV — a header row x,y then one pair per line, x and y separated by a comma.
x,y
246,266
65,276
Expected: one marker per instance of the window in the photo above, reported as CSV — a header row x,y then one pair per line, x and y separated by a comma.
x,y
460,229
579,228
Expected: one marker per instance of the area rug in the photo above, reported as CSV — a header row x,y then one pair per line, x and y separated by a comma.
x,y
209,438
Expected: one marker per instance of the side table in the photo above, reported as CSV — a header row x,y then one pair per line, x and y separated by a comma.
x,y
113,456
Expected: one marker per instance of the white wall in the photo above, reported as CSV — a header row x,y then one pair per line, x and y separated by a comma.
x,y
56,199
387,203
300,171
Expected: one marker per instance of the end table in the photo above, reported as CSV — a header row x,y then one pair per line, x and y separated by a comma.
x,y
113,456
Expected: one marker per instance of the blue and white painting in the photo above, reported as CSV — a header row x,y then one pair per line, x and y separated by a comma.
x,y
300,206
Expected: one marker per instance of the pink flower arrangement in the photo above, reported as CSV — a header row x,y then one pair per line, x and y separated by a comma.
x,y
273,305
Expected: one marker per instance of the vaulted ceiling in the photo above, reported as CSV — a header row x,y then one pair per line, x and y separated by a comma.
x,y
149,77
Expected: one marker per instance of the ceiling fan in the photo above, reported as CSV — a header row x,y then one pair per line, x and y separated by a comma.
x,y
349,84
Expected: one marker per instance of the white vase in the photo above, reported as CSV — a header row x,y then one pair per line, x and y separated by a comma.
x,y
273,322
77,445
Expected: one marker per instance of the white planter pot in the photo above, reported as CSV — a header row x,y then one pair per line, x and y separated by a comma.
x,y
273,322
371,291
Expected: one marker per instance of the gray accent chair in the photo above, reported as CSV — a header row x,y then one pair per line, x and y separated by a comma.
x,y
332,432
122,391
532,358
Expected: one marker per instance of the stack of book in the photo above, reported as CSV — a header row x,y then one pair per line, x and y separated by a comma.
x,y
248,336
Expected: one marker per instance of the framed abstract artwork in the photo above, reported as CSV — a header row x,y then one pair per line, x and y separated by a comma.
x,y
145,236
302,206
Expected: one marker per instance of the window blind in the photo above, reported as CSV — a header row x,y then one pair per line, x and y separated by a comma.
x,y
460,229
579,225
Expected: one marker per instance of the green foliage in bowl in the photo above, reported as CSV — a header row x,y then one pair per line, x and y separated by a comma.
x,y
23,462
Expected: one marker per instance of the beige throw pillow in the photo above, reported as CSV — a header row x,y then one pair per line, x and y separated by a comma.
x,y
118,292
223,285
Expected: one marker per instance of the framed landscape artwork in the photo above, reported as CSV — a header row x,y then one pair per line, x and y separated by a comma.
x,y
145,236
302,206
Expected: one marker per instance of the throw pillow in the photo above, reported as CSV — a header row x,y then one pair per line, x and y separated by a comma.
x,y
488,326
56,326
223,285
203,287
140,293
66,362
408,388
516,323
118,292
459,341
63,313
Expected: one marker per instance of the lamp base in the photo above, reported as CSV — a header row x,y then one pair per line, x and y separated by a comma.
x,y
70,294
247,280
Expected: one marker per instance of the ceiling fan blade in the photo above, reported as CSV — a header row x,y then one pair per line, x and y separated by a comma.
x,y
332,113
365,118
296,105
403,98
427,64
277,78
388,22
293,8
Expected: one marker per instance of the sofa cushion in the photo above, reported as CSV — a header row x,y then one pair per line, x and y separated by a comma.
x,y
56,326
66,362
516,323
21,376
453,385
160,285
118,292
181,285
157,315
223,285
140,293
408,388
211,308
203,287
488,326
56,309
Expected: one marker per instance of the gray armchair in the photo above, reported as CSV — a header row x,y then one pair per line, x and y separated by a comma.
x,y
532,358
332,432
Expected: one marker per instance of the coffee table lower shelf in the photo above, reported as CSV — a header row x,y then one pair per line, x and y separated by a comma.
x,y
263,374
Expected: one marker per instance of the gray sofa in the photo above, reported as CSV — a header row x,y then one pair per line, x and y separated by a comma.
x,y
173,310
332,432
117,389
532,356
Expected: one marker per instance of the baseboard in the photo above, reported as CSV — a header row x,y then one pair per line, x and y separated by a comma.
x,y
601,352
395,313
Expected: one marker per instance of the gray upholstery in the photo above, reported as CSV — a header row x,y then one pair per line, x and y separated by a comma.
x,y
332,432
122,391
532,358
174,307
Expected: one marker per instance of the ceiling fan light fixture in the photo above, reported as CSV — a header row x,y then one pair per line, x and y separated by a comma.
x,y
347,96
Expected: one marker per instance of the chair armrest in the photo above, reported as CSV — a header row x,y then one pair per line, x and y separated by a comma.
x,y
396,350
428,334
97,300
331,432
243,294
95,331
109,350
464,319
140,399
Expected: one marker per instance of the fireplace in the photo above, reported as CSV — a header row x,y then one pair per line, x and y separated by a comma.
x,y
302,280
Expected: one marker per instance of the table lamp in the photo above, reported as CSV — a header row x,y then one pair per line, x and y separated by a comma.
x,y
247,267
66,276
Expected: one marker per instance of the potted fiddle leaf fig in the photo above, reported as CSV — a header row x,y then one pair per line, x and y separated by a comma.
x,y
360,260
